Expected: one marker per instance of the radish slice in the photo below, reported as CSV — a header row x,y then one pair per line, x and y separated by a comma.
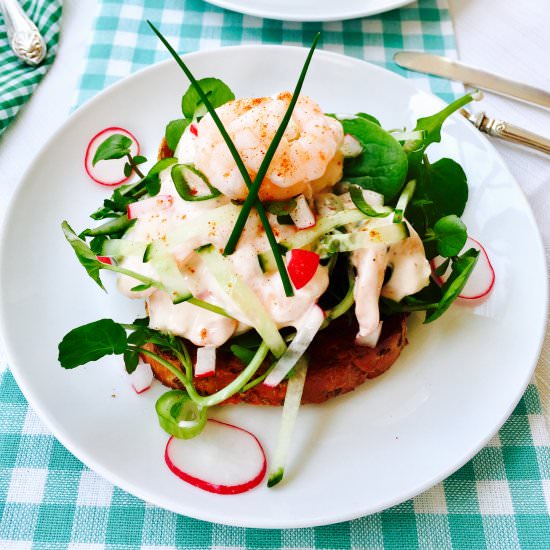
x,y
142,377
302,265
141,208
206,362
223,459
105,260
108,172
351,147
308,327
481,280
301,214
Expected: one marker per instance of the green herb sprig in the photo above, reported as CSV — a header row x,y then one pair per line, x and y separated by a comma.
x,y
287,285
252,197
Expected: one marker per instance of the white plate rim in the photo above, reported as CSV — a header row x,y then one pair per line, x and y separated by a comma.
x,y
327,16
104,471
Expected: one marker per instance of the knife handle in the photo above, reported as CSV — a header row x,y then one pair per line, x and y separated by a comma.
x,y
509,132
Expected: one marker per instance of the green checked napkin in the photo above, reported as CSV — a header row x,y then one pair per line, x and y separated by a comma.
x,y
48,499
18,80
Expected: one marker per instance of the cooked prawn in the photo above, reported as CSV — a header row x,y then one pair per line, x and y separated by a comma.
x,y
307,159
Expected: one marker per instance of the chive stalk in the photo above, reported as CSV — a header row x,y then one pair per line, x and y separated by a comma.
x,y
253,190
287,285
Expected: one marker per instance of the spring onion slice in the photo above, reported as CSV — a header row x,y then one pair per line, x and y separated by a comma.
x,y
182,174
356,194
403,201
309,326
291,408
262,171
179,415
287,285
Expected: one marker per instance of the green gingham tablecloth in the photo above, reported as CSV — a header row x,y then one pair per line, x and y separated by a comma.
x,y
18,80
50,500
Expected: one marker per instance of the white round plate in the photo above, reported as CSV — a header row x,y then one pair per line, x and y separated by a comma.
x,y
394,437
310,10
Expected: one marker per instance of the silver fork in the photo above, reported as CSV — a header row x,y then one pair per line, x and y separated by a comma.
x,y
23,36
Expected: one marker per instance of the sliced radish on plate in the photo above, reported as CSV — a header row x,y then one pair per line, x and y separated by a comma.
x,y
108,172
481,280
302,265
141,208
142,378
301,214
206,362
223,459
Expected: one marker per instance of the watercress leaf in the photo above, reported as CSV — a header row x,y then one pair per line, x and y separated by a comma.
x,y
140,159
131,360
91,342
96,244
445,184
174,131
359,200
450,233
84,254
217,92
141,321
152,184
461,269
115,146
431,126
382,166
127,169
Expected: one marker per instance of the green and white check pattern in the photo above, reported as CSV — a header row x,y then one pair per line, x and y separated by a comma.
x,y
18,80
48,499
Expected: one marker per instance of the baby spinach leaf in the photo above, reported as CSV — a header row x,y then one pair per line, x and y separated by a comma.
x,y
450,234
174,130
369,117
461,268
217,92
115,146
84,254
91,342
382,166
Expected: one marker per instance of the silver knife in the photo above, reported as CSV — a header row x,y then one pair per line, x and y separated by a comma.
x,y
453,70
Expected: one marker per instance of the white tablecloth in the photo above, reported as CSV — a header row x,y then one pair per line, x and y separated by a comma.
x,y
501,35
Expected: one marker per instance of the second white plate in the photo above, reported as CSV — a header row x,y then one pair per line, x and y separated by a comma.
x,y
310,10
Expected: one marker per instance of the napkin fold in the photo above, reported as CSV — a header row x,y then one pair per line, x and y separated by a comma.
x,y
18,80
